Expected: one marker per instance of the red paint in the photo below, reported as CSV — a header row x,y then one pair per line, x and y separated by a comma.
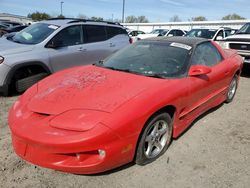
x,y
63,121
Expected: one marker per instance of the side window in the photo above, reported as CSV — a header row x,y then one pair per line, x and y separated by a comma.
x,y
113,31
206,54
171,33
220,34
94,33
179,33
69,36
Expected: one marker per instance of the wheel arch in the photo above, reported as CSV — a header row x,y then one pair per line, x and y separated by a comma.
x,y
170,109
25,65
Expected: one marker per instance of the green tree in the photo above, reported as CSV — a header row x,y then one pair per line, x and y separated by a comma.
x,y
175,18
96,18
131,19
199,18
38,16
82,16
142,19
233,17
134,19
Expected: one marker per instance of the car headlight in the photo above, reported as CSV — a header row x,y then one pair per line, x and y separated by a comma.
x,y
1,59
77,120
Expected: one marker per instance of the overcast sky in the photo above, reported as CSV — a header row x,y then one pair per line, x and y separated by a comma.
x,y
154,10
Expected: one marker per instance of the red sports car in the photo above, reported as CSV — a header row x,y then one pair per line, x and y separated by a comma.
x,y
126,108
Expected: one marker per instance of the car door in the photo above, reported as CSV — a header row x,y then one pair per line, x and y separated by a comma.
x,y
96,45
206,90
70,51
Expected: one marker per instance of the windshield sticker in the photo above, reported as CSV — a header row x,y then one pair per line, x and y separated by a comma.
x,y
27,36
179,45
53,27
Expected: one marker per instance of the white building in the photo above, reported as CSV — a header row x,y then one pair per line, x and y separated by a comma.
x,y
147,27
15,18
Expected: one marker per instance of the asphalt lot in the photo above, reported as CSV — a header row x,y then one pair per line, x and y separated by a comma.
x,y
214,152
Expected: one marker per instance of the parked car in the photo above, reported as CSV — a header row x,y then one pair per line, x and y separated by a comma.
x,y
134,33
154,33
49,46
93,118
10,23
12,29
240,42
213,34
175,32
2,26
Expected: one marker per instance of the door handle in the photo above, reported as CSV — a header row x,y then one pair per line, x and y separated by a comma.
x,y
111,45
81,49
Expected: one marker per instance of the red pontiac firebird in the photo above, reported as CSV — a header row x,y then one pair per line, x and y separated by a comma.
x,y
126,108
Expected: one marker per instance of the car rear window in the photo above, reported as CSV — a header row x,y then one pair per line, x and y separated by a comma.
x,y
113,31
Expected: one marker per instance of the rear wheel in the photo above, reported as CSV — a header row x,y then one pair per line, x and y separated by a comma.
x,y
232,89
155,139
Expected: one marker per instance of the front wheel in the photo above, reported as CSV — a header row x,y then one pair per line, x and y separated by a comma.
x,y
232,89
155,139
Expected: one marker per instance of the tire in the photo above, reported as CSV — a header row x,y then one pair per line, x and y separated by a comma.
x,y
232,89
155,139
24,83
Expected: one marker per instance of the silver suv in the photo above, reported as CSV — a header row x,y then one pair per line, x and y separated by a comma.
x,y
49,46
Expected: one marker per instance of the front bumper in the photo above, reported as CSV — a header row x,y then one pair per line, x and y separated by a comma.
x,y
77,152
82,162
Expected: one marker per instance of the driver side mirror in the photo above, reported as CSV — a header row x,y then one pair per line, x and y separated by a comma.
x,y
55,44
198,70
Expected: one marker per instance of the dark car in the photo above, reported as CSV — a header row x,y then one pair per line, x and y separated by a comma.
x,y
12,29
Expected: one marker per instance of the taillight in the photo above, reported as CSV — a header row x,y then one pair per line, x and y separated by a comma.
x,y
130,40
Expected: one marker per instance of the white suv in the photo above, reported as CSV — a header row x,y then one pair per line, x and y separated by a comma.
x,y
49,46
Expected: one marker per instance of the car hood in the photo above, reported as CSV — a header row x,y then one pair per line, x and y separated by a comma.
x,y
8,47
144,36
239,37
88,87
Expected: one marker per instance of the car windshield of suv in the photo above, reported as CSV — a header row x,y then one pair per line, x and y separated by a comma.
x,y
157,31
201,33
34,34
151,58
245,29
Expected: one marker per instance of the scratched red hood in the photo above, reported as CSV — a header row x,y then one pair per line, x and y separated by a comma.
x,y
88,87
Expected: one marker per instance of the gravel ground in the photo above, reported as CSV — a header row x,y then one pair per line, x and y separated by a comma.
x,y
214,152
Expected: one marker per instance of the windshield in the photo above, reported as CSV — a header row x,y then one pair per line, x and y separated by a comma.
x,y
151,58
245,29
157,31
201,33
34,34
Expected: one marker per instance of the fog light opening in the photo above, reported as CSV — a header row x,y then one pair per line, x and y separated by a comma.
x,y
102,153
78,156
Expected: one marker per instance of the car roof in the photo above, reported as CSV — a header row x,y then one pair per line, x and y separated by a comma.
x,y
66,21
191,41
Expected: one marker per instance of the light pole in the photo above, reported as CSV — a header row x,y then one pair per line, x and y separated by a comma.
x,y
61,8
123,9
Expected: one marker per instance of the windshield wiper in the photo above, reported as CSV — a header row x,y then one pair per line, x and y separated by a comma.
x,y
155,75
